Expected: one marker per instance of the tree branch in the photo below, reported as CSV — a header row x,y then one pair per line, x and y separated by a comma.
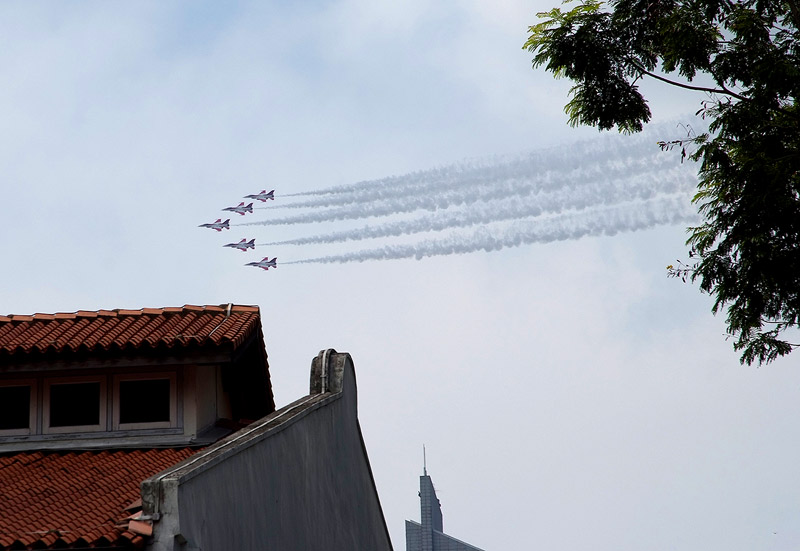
x,y
794,11
721,90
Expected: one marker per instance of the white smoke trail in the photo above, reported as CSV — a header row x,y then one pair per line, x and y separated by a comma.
x,y
591,153
625,217
638,186
495,183
531,172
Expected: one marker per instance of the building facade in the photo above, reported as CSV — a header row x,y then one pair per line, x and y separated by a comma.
x,y
156,429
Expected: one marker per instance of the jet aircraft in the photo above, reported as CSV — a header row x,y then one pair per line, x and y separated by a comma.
x,y
219,225
241,208
265,264
242,245
263,196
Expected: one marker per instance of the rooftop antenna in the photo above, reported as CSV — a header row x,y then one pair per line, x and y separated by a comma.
x,y
424,461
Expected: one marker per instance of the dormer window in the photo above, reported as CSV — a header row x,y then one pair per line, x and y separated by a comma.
x,y
74,405
130,378
17,407
143,401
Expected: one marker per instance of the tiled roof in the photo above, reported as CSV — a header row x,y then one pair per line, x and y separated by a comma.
x,y
127,330
76,499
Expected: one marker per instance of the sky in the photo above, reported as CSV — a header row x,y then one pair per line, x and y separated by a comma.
x,y
511,311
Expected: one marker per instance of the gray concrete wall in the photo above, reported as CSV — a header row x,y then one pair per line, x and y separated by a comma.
x,y
205,393
300,482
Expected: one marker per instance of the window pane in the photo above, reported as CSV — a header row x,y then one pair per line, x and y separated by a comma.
x,y
74,404
144,401
15,407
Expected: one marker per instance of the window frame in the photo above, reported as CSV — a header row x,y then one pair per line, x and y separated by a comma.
x,y
172,376
102,426
33,407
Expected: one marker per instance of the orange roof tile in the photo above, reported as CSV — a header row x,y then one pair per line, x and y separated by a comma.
x,y
75,499
118,330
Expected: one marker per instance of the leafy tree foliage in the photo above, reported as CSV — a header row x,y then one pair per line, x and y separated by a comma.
x,y
746,251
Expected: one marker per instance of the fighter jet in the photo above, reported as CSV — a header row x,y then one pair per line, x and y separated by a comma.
x,y
242,245
219,225
264,264
263,196
241,208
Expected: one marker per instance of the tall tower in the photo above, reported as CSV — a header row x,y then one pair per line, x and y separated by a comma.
x,y
429,535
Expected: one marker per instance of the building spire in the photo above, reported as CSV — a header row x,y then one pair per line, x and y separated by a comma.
x,y
428,534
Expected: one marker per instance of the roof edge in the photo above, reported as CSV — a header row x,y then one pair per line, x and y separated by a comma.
x,y
120,312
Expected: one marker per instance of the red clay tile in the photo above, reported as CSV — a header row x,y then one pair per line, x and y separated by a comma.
x,y
86,313
44,316
120,330
57,499
141,527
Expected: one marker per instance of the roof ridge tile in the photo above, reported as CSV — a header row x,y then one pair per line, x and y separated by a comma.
x,y
117,331
245,308
86,313
40,316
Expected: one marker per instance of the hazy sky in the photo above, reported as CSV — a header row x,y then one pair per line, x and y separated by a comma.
x,y
569,394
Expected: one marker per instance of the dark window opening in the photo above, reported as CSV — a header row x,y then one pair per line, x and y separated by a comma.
x,y
74,404
144,401
15,407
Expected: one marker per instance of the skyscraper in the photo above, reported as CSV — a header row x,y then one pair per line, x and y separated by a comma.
x,y
429,535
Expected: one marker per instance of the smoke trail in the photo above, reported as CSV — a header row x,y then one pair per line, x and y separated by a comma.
x,y
494,184
591,153
462,180
553,158
603,193
630,216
